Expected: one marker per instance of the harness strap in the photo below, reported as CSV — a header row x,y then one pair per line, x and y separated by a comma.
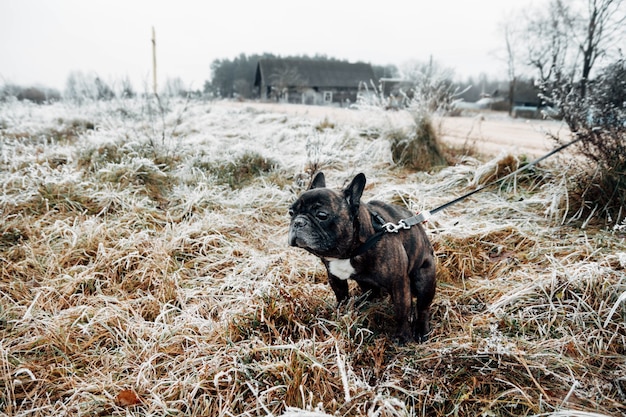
x,y
378,222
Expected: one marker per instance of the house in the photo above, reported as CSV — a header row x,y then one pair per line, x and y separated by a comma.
x,y
308,81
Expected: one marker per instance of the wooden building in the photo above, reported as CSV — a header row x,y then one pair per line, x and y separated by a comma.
x,y
308,81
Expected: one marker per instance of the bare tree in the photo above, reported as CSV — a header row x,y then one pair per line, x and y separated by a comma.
x,y
566,40
81,87
242,87
283,79
431,86
547,44
174,87
595,29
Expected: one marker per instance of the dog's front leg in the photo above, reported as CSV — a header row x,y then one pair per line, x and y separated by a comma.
x,y
340,288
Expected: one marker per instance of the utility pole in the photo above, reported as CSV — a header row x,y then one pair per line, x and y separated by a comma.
x,y
154,63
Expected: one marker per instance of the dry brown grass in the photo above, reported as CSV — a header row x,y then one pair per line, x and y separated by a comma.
x,y
130,286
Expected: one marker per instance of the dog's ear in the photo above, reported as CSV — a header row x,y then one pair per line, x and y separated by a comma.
x,y
319,181
354,190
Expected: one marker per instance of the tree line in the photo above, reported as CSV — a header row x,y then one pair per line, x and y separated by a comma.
x,y
81,86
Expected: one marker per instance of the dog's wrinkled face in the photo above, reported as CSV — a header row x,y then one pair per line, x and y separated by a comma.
x,y
322,220
314,224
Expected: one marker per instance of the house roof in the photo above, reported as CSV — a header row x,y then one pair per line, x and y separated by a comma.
x,y
312,73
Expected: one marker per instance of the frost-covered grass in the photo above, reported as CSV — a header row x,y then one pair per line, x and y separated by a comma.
x,y
150,256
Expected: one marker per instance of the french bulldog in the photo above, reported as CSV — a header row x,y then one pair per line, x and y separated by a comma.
x,y
334,226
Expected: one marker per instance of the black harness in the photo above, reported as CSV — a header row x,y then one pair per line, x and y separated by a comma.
x,y
379,230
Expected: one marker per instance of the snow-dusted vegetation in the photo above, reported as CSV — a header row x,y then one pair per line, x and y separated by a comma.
x,y
144,270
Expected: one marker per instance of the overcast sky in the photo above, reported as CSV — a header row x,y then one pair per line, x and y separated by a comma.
x,y
42,41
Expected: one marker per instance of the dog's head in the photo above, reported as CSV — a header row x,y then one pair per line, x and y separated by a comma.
x,y
323,220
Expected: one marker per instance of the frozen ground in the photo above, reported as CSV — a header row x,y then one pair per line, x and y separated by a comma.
x,y
145,271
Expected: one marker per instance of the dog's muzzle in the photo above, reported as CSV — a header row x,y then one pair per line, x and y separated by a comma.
x,y
295,230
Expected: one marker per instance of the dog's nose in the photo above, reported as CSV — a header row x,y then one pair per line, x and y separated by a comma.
x,y
300,222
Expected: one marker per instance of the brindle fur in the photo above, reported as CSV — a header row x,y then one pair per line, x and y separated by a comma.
x,y
401,264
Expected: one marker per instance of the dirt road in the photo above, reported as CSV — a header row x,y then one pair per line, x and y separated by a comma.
x,y
495,133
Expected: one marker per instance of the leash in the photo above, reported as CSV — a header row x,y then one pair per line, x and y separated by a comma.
x,y
425,215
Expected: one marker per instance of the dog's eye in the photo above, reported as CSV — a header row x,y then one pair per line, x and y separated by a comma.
x,y
291,212
322,215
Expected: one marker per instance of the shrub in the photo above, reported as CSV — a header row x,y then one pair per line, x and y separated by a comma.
x,y
324,124
93,158
430,92
240,171
142,173
38,95
68,132
599,119
420,150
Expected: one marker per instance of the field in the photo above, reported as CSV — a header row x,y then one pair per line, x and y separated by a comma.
x,y
145,271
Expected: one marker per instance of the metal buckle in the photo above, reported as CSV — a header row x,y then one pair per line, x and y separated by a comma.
x,y
393,228
407,223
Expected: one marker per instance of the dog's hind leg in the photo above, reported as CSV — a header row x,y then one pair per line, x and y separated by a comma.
x,y
423,289
401,297
372,291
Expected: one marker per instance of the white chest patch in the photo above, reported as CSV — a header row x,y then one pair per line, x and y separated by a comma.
x,y
341,268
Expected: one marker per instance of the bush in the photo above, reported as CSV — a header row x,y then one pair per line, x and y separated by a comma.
x,y
142,173
420,150
239,172
37,95
599,119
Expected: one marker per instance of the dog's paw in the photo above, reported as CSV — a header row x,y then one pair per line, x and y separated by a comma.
x,y
421,338
402,338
